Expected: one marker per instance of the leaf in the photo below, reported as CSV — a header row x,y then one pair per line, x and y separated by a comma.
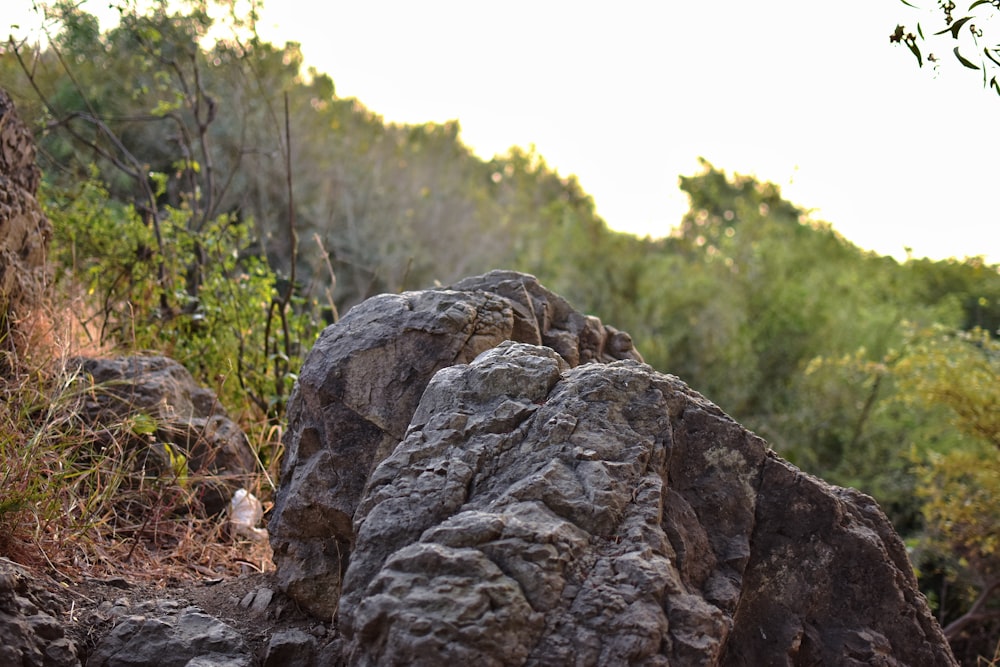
x,y
979,2
916,52
143,424
955,27
908,4
150,33
920,31
163,108
967,63
990,56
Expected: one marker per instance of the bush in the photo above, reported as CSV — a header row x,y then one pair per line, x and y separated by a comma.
x,y
209,299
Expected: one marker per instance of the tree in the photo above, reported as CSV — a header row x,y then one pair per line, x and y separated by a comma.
x,y
958,372
960,32
133,112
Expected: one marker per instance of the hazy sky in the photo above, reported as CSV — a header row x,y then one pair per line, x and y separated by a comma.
x,y
628,95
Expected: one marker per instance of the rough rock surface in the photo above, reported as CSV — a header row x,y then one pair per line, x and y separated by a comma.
x,y
187,417
24,231
31,634
361,384
171,637
51,621
609,515
451,494
291,648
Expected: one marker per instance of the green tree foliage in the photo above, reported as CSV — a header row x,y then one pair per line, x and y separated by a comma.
x,y
962,32
555,233
224,330
957,373
168,261
750,289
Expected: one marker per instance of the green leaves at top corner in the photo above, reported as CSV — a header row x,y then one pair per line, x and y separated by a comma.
x,y
955,27
965,61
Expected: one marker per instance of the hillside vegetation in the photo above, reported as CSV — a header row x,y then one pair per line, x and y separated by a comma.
x,y
217,203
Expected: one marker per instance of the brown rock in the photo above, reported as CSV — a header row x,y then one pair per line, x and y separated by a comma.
x,y
24,231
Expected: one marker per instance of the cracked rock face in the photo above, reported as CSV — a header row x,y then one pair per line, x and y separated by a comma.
x,y
361,384
171,638
525,509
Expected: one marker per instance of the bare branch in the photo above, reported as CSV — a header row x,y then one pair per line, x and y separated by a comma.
x,y
975,613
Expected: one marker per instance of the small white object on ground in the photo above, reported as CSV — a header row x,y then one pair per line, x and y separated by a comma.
x,y
245,512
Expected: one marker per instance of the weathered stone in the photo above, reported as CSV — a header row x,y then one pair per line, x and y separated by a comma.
x,y
186,417
455,495
31,634
829,580
291,648
360,385
188,638
600,515
25,232
257,601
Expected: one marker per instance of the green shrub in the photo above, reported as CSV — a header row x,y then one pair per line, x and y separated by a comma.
x,y
210,300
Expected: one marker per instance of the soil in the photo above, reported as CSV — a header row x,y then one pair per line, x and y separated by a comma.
x,y
92,607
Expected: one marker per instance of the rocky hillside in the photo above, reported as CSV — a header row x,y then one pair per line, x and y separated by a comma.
x,y
478,473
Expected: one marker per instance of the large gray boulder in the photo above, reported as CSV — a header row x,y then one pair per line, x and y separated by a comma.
x,y
451,493
609,515
361,384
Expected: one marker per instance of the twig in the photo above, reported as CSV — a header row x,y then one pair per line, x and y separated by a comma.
x,y
974,614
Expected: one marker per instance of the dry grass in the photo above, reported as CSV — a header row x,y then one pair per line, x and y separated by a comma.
x,y
994,661
76,499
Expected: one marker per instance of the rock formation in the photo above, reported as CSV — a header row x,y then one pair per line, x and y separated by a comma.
x,y
461,484
184,416
24,230
168,635
31,632
360,386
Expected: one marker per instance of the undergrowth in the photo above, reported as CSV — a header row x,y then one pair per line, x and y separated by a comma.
x,y
80,498
77,497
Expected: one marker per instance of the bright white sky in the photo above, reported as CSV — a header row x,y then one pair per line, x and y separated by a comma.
x,y
628,95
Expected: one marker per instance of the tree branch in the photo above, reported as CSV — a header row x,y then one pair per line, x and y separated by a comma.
x,y
975,613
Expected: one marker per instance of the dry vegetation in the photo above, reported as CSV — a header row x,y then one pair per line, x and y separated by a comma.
x,y
75,498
